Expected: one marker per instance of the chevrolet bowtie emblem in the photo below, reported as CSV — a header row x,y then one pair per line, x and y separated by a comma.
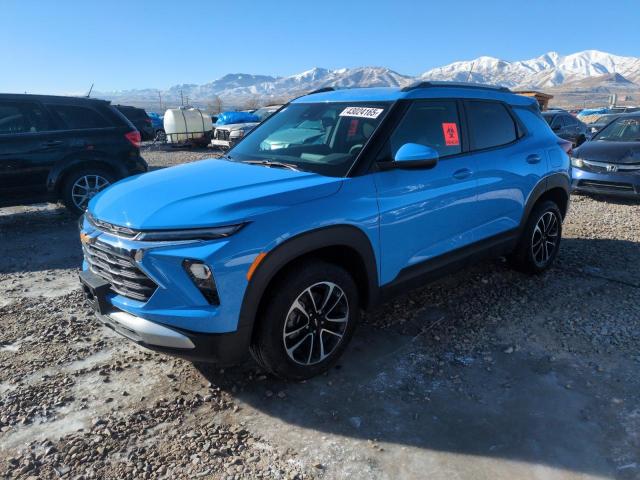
x,y
86,239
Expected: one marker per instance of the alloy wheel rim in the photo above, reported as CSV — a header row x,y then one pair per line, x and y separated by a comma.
x,y
87,187
545,238
316,323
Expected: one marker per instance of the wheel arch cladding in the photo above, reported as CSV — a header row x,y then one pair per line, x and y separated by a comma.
x,y
557,195
59,174
344,245
555,187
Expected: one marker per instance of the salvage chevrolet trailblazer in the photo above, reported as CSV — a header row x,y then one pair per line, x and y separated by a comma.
x,y
278,246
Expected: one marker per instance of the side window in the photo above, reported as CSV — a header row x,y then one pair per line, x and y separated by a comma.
x,y
77,118
490,125
570,121
21,118
431,123
11,119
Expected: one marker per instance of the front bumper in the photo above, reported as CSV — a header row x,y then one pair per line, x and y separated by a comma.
x,y
614,184
225,349
174,317
222,143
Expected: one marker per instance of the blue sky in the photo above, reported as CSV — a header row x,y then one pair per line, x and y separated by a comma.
x,y
63,46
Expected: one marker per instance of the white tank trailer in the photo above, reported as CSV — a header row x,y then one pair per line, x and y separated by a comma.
x,y
187,125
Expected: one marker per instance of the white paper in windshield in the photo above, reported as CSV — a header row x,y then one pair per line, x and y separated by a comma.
x,y
362,112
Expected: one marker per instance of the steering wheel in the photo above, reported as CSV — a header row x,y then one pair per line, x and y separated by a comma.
x,y
356,148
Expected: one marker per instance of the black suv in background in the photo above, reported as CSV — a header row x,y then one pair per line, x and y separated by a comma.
x,y
567,126
140,120
63,148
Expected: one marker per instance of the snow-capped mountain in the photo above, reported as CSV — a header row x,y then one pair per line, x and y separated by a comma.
x,y
550,70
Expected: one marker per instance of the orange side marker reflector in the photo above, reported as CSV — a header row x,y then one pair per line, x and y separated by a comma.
x,y
255,264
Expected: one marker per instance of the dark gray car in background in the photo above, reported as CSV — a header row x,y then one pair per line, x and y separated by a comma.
x,y
567,126
610,163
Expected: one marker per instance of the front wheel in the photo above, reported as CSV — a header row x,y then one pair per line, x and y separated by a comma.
x,y
308,321
540,240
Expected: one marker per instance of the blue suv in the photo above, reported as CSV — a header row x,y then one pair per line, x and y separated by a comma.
x,y
278,246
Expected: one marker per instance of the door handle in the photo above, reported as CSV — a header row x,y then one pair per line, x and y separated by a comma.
x,y
462,174
533,158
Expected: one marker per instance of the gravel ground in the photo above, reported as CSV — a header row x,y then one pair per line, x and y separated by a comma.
x,y
487,373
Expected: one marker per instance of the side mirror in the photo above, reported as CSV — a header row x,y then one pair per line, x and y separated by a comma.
x,y
556,128
415,155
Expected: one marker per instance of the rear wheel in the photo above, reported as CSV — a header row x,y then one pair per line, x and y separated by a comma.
x,y
540,241
308,321
82,185
160,136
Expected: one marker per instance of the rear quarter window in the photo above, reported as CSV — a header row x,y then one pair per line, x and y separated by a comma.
x,y
489,124
75,117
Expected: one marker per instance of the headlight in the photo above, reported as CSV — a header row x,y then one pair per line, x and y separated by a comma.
x,y
189,234
577,162
236,134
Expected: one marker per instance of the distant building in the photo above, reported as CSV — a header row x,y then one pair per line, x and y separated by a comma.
x,y
542,98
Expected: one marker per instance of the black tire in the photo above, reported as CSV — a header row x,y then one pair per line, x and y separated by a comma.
x,y
581,139
280,321
70,200
160,136
528,256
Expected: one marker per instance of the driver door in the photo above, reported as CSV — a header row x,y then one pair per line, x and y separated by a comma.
x,y
426,213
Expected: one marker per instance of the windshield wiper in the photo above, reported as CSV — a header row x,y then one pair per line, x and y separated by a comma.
x,y
272,163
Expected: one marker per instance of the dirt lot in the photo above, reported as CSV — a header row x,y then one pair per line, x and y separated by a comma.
x,y
487,374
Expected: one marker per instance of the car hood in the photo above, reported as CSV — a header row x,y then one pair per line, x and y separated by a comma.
x,y
236,126
206,193
293,135
610,152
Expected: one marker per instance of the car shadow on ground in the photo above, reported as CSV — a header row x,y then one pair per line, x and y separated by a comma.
x,y
38,238
383,391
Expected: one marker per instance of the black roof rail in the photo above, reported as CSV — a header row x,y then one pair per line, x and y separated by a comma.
x,y
320,90
432,84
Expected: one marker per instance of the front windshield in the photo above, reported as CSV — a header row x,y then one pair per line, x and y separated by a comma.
x,y
323,138
621,130
548,117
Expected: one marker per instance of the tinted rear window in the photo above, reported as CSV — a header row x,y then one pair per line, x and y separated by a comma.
x,y
131,112
75,118
489,124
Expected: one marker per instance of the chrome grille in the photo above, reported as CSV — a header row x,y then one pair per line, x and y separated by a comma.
x,y
121,272
222,134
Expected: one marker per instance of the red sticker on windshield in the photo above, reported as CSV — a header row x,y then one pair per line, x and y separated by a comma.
x,y
450,131
353,127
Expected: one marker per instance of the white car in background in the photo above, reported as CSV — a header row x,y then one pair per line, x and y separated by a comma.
x,y
226,136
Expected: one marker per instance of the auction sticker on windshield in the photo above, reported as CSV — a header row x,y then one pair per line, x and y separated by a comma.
x,y
362,112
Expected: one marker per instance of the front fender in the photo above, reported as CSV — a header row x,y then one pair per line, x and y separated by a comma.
x,y
296,247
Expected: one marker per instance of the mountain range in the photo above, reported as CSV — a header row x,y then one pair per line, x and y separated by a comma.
x,y
587,71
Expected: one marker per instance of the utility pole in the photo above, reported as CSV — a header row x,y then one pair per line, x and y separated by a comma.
x,y
181,98
470,71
